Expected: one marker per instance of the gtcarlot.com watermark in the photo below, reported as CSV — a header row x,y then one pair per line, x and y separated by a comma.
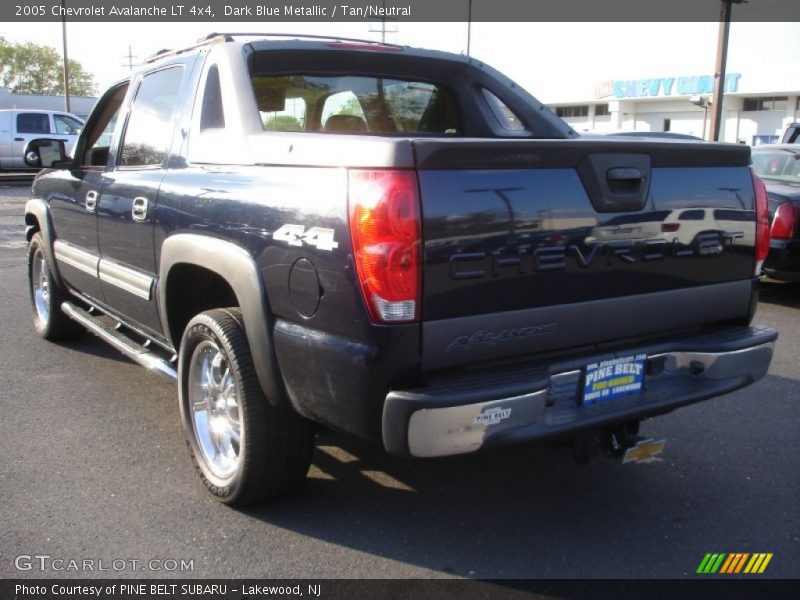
x,y
48,563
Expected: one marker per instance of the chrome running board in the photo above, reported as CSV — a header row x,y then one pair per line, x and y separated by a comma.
x,y
136,352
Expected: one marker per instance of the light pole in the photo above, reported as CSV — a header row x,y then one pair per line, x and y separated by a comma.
x,y
705,103
66,60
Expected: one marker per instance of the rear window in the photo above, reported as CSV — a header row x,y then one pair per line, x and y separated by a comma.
x,y
353,105
33,123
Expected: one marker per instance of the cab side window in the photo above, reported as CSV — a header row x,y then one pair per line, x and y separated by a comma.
x,y
99,130
67,125
149,130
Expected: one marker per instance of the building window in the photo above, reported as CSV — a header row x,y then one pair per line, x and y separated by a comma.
x,y
601,110
667,124
573,111
766,103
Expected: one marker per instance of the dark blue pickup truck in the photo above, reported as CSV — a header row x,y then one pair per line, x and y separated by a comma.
x,y
399,244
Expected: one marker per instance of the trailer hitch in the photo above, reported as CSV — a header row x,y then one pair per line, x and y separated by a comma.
x,y
619,442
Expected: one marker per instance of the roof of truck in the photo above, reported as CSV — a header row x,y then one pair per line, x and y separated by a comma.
x,y
262,41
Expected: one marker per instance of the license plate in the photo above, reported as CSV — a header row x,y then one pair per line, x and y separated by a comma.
x,y
614,378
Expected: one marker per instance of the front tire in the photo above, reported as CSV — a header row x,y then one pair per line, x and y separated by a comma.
x,y
244,450
46,297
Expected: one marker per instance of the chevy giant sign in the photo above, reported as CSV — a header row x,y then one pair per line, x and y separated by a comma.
x,y
665,86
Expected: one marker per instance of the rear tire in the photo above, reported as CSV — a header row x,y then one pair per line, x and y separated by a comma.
x,y
46,297
244,450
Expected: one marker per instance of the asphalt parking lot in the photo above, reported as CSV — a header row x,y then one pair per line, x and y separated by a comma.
x,y
94,466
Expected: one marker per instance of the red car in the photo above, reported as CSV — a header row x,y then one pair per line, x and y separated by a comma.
x,y
778,166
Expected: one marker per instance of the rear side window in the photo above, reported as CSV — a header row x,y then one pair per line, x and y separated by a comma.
x,y
353,104
729,214
692,215
506,118
149,130
33,123
213,115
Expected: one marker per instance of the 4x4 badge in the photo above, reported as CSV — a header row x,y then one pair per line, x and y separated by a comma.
x,y
297,235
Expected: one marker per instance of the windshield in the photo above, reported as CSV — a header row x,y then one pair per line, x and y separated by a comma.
x,y
780,164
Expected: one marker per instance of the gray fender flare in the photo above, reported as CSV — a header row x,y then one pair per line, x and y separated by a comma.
x,y
38,209
235,265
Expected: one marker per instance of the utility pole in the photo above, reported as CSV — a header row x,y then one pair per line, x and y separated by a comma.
x,y
129,58
469,25
383,27
66,60
722,59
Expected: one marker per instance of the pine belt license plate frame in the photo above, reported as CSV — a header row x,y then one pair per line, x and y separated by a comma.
x,y
611,379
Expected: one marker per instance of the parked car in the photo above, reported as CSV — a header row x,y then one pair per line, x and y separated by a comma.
x,y
792,134
18,127
389,242
778,165
688,227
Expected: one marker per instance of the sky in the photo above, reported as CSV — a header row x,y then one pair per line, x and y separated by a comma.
x,y
556,62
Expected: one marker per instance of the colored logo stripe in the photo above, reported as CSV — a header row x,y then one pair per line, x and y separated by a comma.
x,y
711,563
758,563
734,563
723,563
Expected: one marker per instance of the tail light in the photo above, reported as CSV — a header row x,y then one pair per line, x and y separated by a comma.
x,y
670,227
784,222
385,230
762,223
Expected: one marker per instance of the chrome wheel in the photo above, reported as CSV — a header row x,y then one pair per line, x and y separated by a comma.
x,y
215,413
41,286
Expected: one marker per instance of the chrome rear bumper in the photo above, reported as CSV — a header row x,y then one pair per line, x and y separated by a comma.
x,y
434,422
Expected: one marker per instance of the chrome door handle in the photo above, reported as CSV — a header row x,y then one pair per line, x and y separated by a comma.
x,y
139,210
91,201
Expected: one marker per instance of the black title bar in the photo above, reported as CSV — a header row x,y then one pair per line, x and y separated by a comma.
x,y
709,588
394,10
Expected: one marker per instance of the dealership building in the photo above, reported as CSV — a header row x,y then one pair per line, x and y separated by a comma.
x,y
756,108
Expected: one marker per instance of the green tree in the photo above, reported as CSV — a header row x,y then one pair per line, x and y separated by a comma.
x,y
282,123
351,107
33,69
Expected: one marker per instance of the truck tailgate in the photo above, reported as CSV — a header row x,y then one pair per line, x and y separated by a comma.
x,y
532,246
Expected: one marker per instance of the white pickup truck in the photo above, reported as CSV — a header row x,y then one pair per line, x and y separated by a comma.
x,y
19,126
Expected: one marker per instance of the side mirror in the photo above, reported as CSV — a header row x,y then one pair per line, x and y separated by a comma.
x,y
44,153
